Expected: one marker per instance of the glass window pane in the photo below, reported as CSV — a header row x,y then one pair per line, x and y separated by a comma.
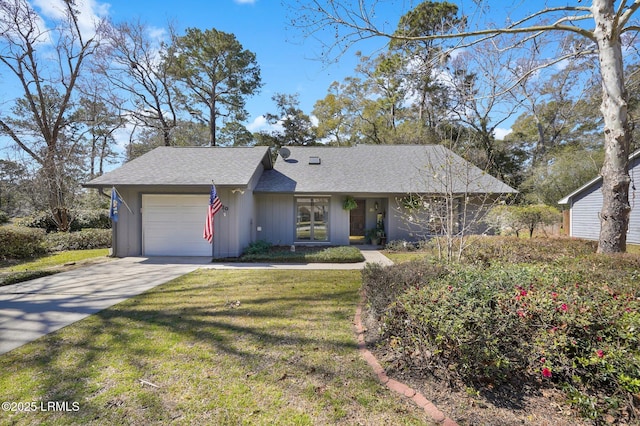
x,y
320,218
303,219
312,219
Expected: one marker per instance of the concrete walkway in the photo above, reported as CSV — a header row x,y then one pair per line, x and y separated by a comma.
x,y
35,308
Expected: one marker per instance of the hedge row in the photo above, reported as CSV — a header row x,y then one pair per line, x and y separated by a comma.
x,y
20,243
82,219
80,240
551,314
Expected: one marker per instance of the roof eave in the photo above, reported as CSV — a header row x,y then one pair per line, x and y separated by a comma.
x,y
568,198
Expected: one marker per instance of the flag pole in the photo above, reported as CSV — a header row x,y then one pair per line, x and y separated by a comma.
x,y
122,198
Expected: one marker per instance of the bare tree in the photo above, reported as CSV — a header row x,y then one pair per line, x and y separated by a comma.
x,y
135,64
610,21
46,64
95,122
454,203
479,101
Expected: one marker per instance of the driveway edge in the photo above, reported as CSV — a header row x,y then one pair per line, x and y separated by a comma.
x,y
418,398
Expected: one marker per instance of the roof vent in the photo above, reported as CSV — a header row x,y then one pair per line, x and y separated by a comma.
x,y
314,160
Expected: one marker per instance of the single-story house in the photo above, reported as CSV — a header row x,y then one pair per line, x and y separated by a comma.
x,y
297,199
582,219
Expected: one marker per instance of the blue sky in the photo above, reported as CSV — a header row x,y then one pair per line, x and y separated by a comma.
x,y
289,63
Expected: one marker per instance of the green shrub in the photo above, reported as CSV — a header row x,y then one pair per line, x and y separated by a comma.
x,y
493,250
80,240
302,254
258,247
20,243
515,218
382,285
40,220
341,254
4,218
525,325
81,219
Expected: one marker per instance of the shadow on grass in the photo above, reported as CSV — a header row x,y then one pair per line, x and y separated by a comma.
x,y
201,337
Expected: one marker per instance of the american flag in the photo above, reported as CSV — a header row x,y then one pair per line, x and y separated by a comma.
x,y
214,205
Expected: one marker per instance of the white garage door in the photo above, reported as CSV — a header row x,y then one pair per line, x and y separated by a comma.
x,y
172,225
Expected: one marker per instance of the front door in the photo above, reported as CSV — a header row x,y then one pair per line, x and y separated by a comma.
x,y
357,219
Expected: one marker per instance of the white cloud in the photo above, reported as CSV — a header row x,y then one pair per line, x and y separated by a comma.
x,y
501,133
259,123
91,12
157,34
245,1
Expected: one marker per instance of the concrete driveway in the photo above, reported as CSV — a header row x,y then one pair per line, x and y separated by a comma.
x,y
31,309
35,308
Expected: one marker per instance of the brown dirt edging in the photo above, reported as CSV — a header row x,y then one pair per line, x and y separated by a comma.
x,y
418,398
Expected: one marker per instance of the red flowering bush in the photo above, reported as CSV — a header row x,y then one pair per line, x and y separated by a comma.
x,y
568,324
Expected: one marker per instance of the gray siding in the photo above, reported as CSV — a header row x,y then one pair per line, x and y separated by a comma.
x,y
226,237
246,207
633,236
128,230
585,221
275,221
586,206
232,226
338,222
471,221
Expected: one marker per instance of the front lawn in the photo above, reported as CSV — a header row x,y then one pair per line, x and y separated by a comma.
x,y
12,272
212,347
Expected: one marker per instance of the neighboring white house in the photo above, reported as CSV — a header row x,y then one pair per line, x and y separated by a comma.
x,y
585,204
297,200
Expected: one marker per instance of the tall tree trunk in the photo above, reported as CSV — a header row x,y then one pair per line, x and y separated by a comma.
x,y
614,217
56,191
212,123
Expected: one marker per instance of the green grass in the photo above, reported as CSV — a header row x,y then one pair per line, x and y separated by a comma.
x,y
212,347
56,259
11,273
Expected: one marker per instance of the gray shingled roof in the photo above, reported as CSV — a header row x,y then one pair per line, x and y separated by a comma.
x,y
189,166
378,169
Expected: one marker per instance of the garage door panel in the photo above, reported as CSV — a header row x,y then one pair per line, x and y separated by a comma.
x,y
172,225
